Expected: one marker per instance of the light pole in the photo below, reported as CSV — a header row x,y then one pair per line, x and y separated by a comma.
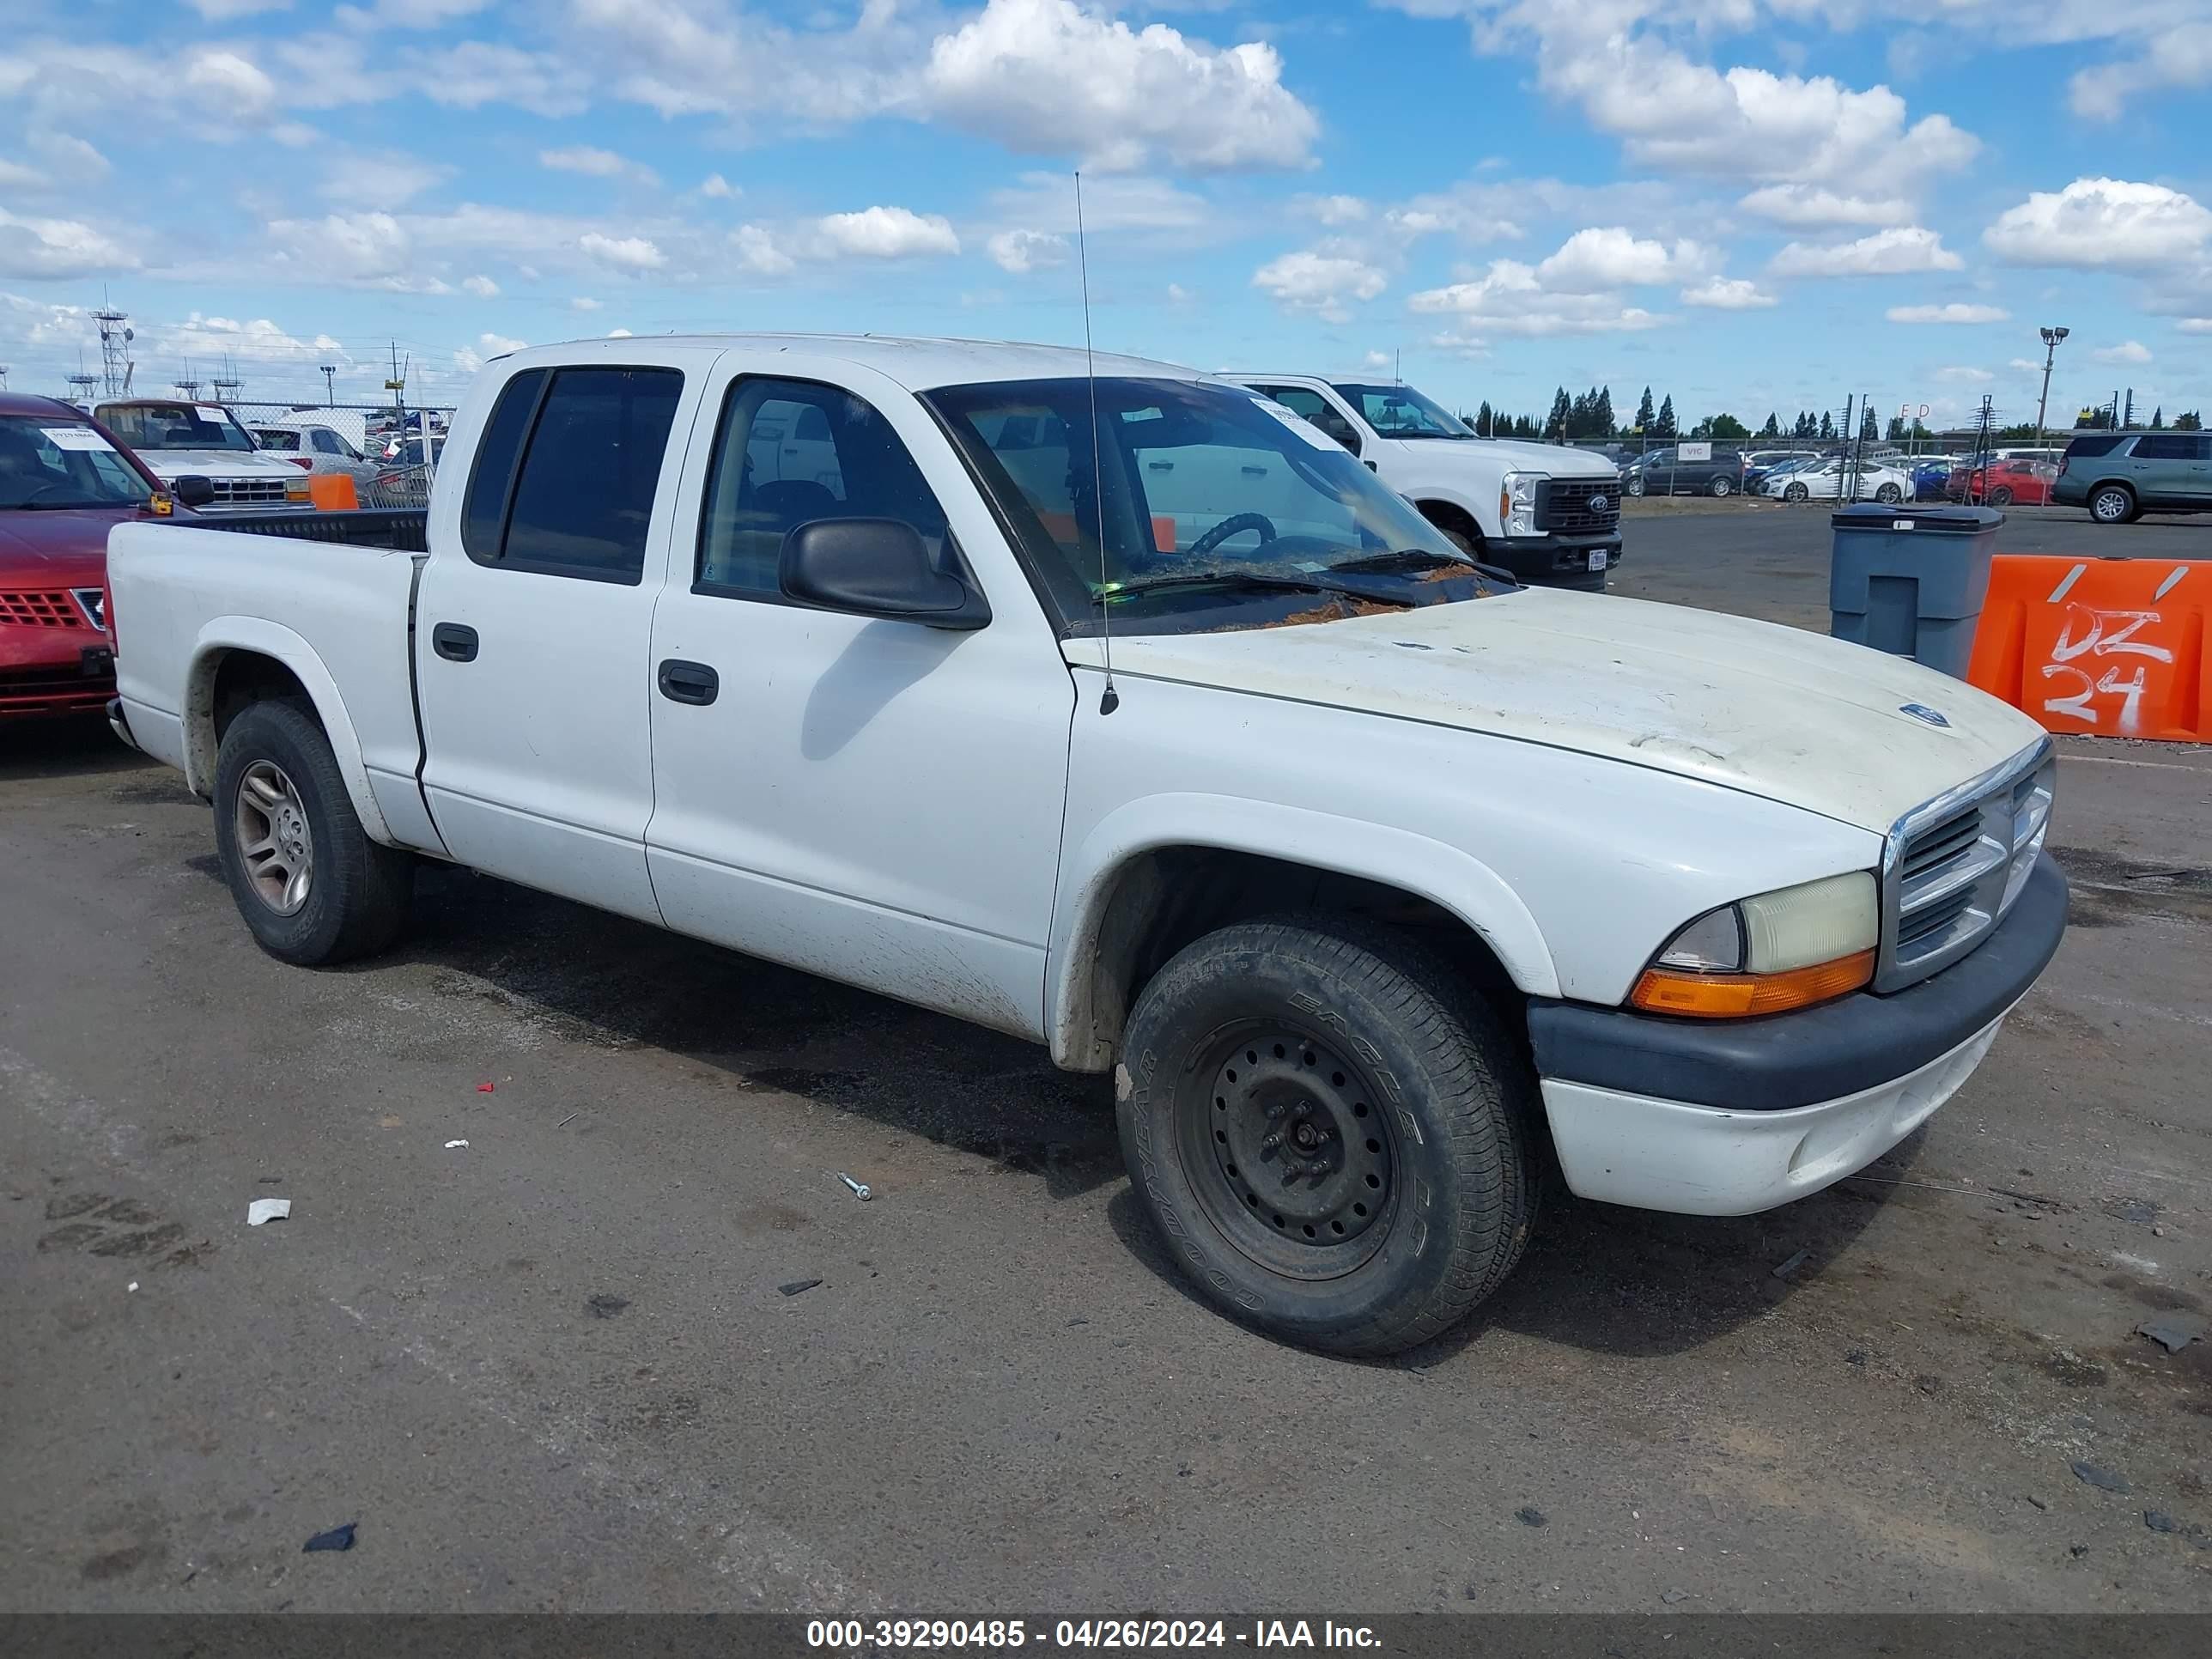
x,y
330,386
2051,337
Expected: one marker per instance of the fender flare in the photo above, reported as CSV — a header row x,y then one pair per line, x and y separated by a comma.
x,y
1445,875
1451,496
224,635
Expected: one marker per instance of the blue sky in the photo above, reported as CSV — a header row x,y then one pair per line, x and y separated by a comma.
x,y
1775,205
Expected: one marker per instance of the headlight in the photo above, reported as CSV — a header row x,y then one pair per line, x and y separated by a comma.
x,y
1516,503
1764,955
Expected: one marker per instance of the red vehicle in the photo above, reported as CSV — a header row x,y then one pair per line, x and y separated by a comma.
x,y
2002,484
64,482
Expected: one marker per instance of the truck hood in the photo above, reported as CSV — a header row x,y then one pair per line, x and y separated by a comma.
x,y
170,465
1496,455
1776,712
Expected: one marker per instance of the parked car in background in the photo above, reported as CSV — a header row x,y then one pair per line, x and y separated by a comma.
x,y
65,483
1931,477
1383,888
2005,483
1547,514
177,439
1760,465
1669,472
2119,476
1823,481
323,442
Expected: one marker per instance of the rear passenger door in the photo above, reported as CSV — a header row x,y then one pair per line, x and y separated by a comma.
x,y
2171,469
534,619
876,801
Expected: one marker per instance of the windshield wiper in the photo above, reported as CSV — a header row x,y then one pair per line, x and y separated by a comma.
x,y
1254,579
1415,558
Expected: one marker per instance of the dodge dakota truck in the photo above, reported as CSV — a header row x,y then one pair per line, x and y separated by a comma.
x,y
1118,707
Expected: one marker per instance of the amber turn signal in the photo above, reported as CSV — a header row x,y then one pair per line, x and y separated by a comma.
x,y
1741,996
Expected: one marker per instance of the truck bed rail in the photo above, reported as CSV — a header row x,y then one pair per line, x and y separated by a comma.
x,y
403,529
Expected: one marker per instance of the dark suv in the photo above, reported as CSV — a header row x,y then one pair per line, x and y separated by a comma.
x,y
1665,472
2121,476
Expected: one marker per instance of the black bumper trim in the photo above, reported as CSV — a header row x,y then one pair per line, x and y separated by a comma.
x,y
1821,1053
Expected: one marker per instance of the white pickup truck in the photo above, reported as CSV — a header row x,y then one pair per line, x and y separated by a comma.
x,y
1380,884
1547,514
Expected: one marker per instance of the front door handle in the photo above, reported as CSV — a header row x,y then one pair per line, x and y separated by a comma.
x,y
688,682
454,641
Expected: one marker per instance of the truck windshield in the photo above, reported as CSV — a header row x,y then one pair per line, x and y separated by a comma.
x,y
176,425
54,463
1399,411
1199,489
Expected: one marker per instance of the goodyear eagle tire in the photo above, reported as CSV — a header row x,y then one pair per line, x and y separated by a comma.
x,y
1331,1131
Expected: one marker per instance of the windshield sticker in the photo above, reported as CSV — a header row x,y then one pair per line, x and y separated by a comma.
x,y
1299,424
75,437
207,413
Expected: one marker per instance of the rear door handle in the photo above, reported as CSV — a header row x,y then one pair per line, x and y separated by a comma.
x,y
454,641
688,682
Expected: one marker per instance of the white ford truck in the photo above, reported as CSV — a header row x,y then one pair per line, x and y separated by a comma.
x,y
1128,714
1547,514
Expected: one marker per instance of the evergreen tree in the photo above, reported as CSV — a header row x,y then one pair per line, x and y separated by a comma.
x,y
1773,427
1601,415
1645,418
1827,426
1896,427
1555,426
1868,429
1664,425
2189,421
1482,418
2158,418
1726,427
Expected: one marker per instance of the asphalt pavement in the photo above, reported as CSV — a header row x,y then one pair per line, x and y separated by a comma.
x,y
636,1345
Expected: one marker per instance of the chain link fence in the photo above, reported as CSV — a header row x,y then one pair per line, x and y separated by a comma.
x,y
389,452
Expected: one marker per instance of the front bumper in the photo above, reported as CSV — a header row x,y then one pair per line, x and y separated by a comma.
x,y
1555,558
58,670
1725,1118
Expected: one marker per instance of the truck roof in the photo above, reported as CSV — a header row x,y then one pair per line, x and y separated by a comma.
x,y
917,363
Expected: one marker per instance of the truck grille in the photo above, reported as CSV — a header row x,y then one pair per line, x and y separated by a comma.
x,y
1952,867
248,492
55,610
1571,504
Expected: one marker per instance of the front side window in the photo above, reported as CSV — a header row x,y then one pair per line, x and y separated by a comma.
x,y
278,440
51,464
1191,481
790,451
1399,411
176,425
581,498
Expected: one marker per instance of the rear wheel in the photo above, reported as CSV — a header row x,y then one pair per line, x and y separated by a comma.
x,y
1889,495
310,883
2000,496
1720,487
1330,1131
2112,504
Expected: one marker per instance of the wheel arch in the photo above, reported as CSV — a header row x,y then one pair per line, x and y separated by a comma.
x,y
1448,513
1158,873
239,661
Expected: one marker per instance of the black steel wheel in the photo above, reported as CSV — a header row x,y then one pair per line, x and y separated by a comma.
x,y
1331,1130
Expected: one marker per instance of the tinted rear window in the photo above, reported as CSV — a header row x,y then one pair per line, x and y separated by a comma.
x,y
2099,445
485,510
585,494
2170,446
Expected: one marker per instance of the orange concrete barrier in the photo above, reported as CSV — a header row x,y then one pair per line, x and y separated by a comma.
x,y
332,492
2109,648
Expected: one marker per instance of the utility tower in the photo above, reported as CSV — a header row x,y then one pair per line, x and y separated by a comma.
x,y
81,387
115,335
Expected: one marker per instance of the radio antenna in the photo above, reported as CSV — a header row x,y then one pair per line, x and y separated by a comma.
x,y
1110,699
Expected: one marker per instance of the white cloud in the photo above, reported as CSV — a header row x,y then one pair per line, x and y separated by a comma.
x,y
1816,205
1954,313
2127,351
1961,375
1595,259
584,302
619,334
379,179
1728,293
716,187
498,345
758,252
635,254
2195,325
2178,57
2096,223
343,246
1894,252
483,287
1047,76
595,163
887,232
1376,360
1510,299
242,86
1320,282
1333,209
260,341
1178,294
223,11
1025,250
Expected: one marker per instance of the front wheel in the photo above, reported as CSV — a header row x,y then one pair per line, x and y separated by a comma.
x,y
312,886
2112,504
1889,495
1795,492
1634,486
2000,496
1330,1131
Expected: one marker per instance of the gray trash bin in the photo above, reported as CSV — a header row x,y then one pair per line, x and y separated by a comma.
x,y
1910,580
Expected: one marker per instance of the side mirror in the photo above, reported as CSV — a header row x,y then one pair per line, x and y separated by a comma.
x,y
877,567
192,490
